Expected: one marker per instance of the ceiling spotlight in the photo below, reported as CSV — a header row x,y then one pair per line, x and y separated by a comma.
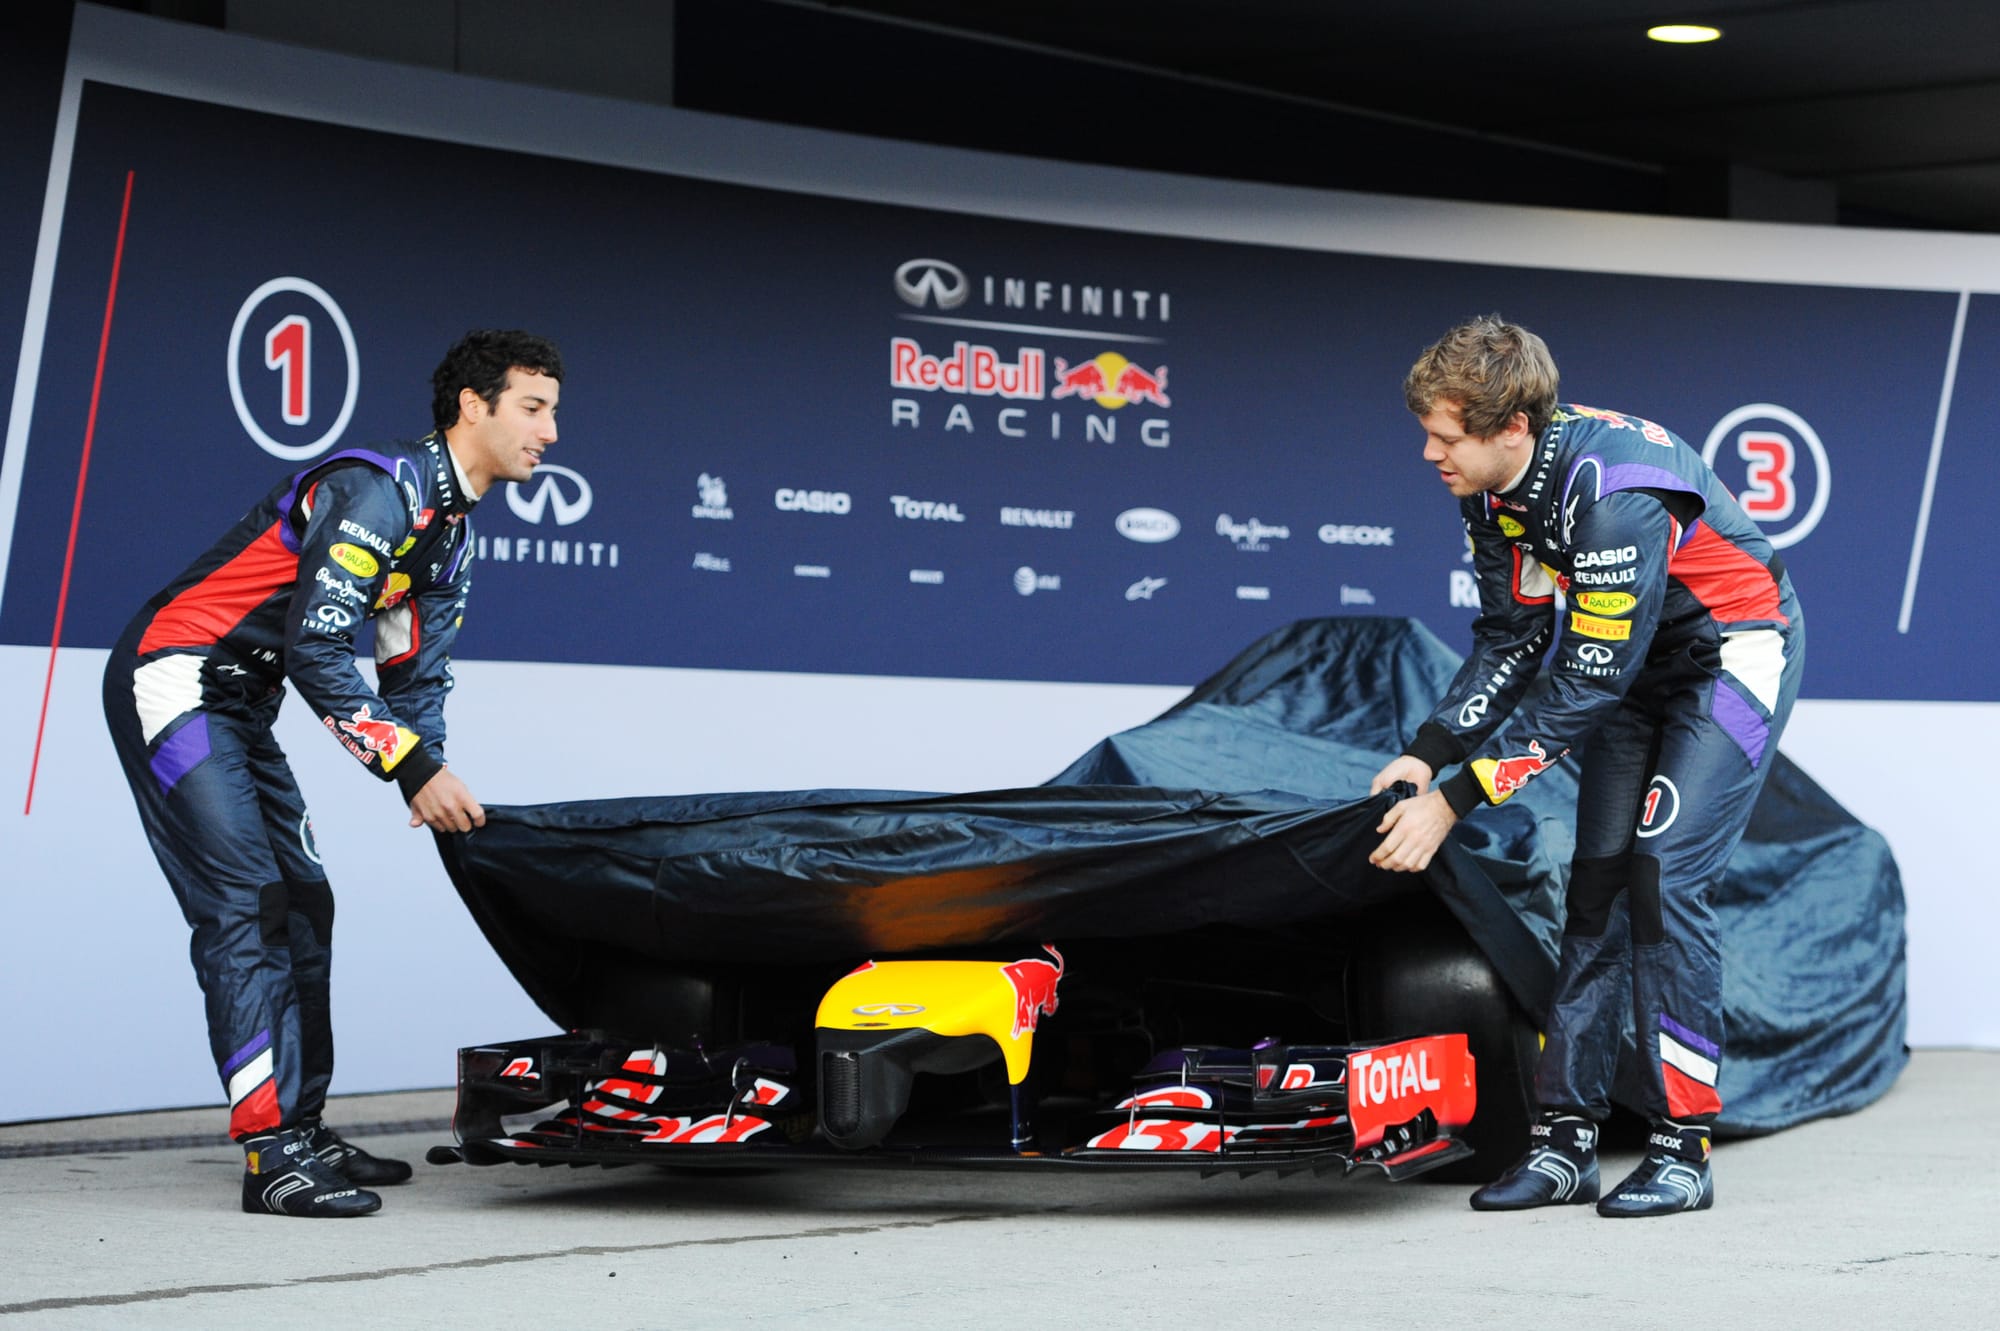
x,y
1683,34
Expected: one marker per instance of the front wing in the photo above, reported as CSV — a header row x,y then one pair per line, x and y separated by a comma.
x,y
1392,1109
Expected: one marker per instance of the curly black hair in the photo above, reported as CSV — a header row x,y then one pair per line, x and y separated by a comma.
x,y
480,361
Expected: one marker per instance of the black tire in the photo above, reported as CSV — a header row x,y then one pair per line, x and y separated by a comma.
x,y
1417,972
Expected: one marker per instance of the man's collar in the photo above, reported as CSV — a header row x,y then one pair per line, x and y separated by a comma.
x,y
464,482
1519,476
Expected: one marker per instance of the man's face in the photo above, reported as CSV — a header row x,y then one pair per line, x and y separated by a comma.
x,y
1468,464
507,439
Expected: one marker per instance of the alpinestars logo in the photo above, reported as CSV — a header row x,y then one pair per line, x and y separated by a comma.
x,y
1143,589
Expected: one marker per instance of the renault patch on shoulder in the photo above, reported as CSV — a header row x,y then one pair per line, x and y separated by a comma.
x,y
1590,626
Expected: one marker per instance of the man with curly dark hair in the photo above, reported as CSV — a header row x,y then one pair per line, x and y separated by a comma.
x,y
194,684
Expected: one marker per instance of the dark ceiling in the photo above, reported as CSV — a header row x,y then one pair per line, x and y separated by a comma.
x,y
1882,111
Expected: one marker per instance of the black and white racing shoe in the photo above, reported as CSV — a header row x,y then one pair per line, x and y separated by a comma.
x,y
283,1176
1674,1176
354,1164
1560,1168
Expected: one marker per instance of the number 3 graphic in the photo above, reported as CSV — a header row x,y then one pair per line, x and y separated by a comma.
x,y
1768,493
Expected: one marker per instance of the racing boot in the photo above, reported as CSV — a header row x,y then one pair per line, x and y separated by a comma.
x,y
283,1176
1674,1176
1560,1168
355,1165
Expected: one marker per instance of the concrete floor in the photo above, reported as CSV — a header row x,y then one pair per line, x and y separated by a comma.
x,y
1890,1216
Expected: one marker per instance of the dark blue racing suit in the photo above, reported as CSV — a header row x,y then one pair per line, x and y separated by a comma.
x,y
1678,660
191,691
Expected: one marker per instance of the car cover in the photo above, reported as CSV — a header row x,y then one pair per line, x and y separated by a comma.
x,y
1243,805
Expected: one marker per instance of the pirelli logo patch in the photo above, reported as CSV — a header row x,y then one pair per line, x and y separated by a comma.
x,y
1606,603
1590,626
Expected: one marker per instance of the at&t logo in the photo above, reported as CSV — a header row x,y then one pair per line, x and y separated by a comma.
x,y
1775,465
291,357
1028,582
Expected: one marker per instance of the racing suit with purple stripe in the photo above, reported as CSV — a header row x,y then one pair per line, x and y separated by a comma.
x,y
1677,662
191,691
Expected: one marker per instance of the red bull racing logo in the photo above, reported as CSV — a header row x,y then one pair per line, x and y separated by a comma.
x,y
1107,381
1111,381
1034,982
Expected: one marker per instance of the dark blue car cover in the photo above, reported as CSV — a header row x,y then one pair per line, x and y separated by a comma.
x,y
1245,804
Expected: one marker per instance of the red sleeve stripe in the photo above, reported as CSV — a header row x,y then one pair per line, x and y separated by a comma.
x,y
204,614
1726,579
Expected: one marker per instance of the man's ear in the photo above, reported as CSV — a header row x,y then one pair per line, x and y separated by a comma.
x,y
471,406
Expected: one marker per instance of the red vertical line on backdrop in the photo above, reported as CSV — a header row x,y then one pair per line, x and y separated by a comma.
x,y
76,509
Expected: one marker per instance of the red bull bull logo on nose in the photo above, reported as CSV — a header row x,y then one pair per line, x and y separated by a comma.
x,y
1034,982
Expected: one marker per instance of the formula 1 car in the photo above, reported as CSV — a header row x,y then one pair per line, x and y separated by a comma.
x,y
1206,878
987,1063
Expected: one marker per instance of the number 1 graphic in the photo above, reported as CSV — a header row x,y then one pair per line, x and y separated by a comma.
x,y
288,349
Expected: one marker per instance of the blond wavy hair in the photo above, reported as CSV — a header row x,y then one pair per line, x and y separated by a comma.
x,y
1490,369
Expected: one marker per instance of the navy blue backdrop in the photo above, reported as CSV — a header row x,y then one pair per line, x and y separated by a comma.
x,y
783,470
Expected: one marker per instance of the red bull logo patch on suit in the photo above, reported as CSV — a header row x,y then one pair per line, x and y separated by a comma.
x,y
378,737
1504,776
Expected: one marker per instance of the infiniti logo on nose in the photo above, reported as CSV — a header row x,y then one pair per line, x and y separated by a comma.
x,y
932,281
888,1009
